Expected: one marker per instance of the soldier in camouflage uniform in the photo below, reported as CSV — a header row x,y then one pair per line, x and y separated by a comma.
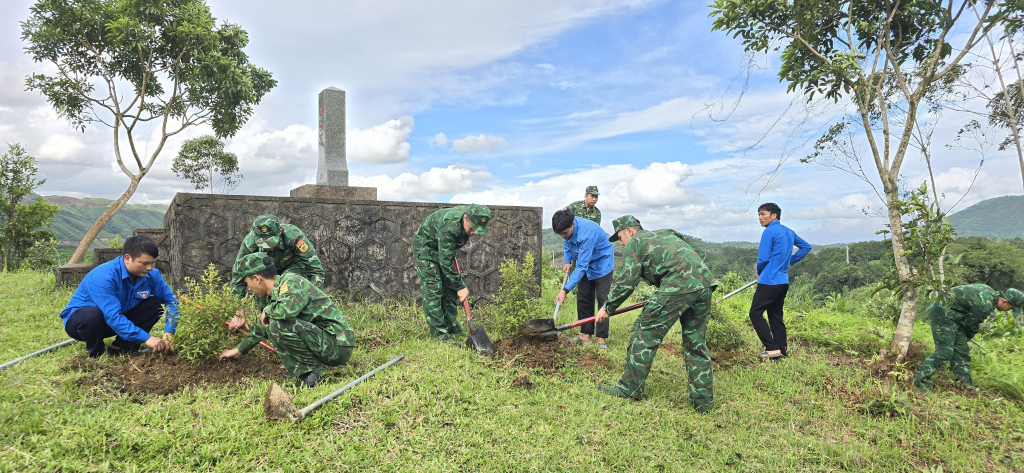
x,y
440,235
955,322
684,282
301,321
587,208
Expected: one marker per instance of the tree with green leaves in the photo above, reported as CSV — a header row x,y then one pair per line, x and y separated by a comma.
x,y
203,162
163,64
888,59
22,224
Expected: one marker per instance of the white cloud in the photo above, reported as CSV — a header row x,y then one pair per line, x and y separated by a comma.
x,y
384,143
426,186
547,67
477,143
439,140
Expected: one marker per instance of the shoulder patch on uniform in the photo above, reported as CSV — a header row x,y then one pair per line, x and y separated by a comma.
x,y
302,246
283,288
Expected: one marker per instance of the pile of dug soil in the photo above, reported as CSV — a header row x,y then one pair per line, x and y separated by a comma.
x,y
548,356
150,373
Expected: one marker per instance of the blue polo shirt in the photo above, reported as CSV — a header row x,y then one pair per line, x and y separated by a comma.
x,y
590,247
775,254
110,287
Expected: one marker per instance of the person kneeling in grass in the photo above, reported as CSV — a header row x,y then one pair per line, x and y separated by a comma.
x,y
123,297
955,322
685,286
301,321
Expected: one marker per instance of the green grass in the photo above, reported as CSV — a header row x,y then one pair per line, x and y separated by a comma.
x,y
445,409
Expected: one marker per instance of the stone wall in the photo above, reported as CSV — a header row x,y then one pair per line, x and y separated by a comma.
x,y
365,246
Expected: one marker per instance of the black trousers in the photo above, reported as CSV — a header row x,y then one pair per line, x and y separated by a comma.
x,y
88,325
588,292
772,333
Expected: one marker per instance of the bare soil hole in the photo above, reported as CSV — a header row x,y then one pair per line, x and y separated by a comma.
x,y
150,373
548,356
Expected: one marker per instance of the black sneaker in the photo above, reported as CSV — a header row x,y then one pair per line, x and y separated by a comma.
x,y
308,380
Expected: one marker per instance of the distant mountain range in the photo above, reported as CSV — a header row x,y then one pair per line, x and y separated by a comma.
x,y
998,218
76,216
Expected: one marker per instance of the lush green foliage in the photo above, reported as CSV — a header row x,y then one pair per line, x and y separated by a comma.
x,y
997,218
998,264
201,335
74,219
22,225
203,162
116,242
516,300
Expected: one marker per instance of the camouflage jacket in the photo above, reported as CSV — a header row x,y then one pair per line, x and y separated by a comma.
x,y
973,303
295,251
295,297
438,239
579,209
664,260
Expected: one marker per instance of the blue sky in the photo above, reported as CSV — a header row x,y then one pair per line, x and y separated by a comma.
x,y
520,102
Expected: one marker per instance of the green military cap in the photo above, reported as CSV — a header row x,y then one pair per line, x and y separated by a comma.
x,y
592,190
479,217
623,223
1014,297
267,230
252,263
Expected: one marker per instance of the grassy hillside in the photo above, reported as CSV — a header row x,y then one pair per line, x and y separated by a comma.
x,y
77,215
998,218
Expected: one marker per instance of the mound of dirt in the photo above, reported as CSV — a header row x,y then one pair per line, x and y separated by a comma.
x,y
166,374
522,382
548,356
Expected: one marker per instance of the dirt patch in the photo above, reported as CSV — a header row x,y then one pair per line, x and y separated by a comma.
x,y
167,374
548,356
369,344
522,382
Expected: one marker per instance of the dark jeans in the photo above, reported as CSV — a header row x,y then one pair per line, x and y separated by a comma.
x,y
589,291
773,332
88,325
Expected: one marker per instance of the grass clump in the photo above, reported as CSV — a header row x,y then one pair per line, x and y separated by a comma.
x,y
723,334
201,333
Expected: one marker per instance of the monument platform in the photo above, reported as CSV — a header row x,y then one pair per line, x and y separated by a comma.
x,y
315,191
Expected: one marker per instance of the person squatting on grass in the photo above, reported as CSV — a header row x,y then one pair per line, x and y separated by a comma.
x,y
587,244
301,321
122,297
774,257
434,247
287,245
685,286
955,322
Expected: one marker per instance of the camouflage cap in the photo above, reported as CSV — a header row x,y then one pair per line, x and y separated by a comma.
x,y
267,230
252,263
592,190
479,217
1014,297
621,224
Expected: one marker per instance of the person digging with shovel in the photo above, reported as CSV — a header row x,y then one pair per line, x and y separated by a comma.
x,y
299,319
587,244
685,287
434,246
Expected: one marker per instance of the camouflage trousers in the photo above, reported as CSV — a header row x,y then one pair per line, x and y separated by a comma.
x,y
661,313
440,302
302,346
950,346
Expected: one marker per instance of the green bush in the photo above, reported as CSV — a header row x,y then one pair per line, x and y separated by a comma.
x,y
201,334
885,305
116,242
42,255
723,334
515,301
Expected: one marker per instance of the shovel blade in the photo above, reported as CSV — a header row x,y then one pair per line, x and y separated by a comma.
x,y
480,342
535,327
277,405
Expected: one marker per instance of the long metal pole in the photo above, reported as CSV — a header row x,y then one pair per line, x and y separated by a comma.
x,y
40,352
321,401
733,293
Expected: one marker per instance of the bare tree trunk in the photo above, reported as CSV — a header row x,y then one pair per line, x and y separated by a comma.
x,y
90,235
905,327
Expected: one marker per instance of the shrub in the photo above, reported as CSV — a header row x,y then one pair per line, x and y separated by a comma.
x,y
116,243
885,305
42,255
723,334
515,302
201,333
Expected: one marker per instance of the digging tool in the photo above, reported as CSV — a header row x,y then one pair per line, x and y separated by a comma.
x,y
733,293
40,352
544,329
477,338
263,343
278,405
558,305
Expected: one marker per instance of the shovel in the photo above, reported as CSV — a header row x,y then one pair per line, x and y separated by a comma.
x,y
733,293
278,405
554,318
477,338
544,329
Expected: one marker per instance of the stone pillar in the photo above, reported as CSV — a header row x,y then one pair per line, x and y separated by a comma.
x,y
332,166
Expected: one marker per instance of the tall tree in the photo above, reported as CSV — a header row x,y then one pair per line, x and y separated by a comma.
x,y
885,57
122,63
23,221
203,162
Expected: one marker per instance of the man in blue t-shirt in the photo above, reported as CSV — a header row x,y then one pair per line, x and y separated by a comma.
x,y
123,297
588,245
774,256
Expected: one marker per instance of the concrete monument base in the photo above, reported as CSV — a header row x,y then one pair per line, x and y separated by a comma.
x,y
314,191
